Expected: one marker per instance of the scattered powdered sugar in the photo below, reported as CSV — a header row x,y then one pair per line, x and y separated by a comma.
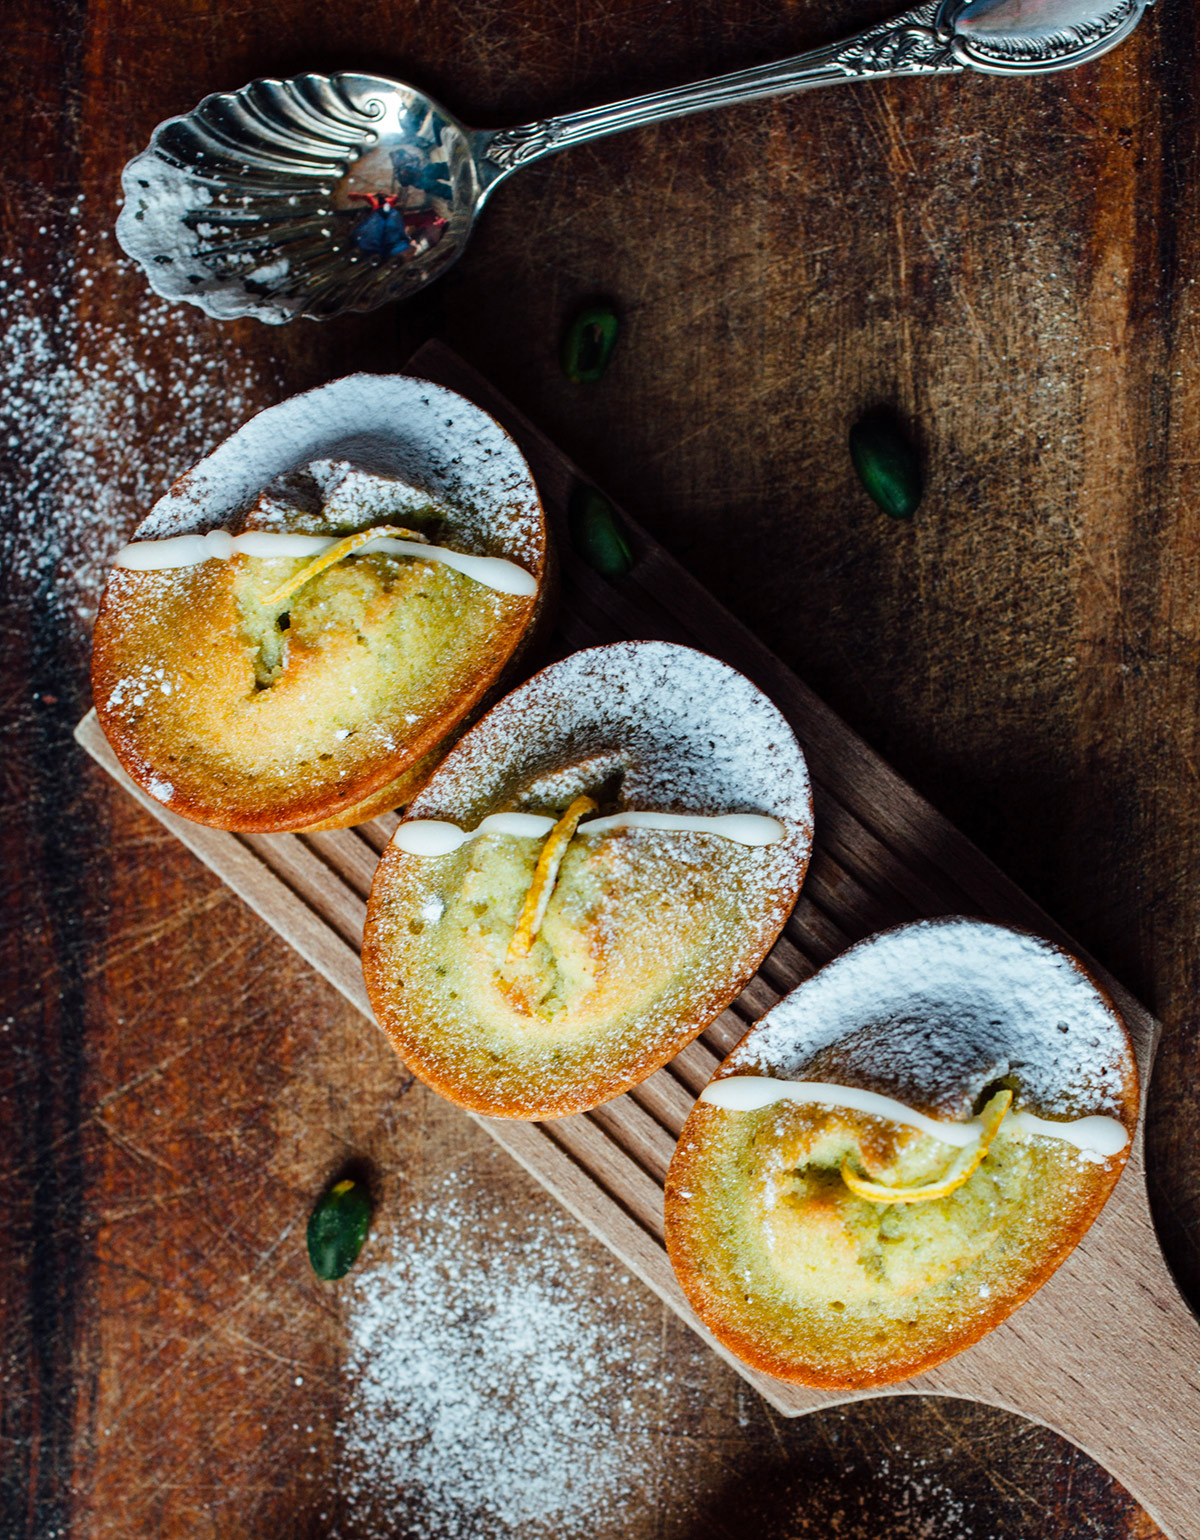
x,y
503,1396
159,788
136,689
94,420
99,416
938,1009
899,1500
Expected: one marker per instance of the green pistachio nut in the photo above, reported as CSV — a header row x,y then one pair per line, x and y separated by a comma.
x,y
596,533
337,1229
588,344
887,464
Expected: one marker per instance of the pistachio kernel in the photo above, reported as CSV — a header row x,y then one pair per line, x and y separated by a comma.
x,y
337,1229
887,464
588,344
596,533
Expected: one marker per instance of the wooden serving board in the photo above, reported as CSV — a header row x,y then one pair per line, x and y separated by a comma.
x,y
1107,1352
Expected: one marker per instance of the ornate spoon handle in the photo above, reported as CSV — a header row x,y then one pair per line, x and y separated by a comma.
x,y
911,44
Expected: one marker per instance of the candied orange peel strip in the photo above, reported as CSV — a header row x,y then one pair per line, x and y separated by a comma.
x,y
545,875
956,1173
337,553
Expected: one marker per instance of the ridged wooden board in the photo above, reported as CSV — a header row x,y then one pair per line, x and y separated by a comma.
x,y
1107,1352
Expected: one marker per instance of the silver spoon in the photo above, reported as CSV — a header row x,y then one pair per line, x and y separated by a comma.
x,y
327,193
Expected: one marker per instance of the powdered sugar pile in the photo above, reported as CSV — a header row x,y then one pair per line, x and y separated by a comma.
x,y
94,424
498,1397
159,198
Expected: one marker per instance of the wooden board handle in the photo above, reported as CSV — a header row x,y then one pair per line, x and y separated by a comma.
x,y
1108,1355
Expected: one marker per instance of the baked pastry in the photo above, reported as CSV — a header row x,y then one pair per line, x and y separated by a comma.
x,y
309,614
836,1214
588,879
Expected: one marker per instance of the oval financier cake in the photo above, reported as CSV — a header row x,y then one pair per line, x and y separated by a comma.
x,y
900,1153
589,878
311,613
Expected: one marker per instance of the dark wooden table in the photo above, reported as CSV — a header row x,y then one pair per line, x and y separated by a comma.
x,y
1011,265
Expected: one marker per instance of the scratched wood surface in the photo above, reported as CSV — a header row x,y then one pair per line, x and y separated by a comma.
x,y
1011,264
1107,1352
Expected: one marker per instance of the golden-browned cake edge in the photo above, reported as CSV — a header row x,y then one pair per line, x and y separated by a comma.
x,y
692,1158
706,1007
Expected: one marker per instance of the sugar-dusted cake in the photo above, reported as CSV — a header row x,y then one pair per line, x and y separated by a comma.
x,y
588,879
900,1153
309,615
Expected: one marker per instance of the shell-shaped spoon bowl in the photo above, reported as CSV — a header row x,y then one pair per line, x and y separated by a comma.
x,y
308,196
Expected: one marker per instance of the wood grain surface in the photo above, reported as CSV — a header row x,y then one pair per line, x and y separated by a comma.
x,y
1011,264
1107,1352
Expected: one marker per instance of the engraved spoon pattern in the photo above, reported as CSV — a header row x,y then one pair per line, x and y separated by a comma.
x,y
328,193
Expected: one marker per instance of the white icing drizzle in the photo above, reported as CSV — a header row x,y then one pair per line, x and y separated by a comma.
x,y
434,837
1095,1135
218,545
190,550
742,828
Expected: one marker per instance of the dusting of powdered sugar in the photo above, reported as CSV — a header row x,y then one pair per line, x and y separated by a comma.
x,y
690,734
504,1397
387,424
935,1011
350,496
160,788
681,920
162,228
98,416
